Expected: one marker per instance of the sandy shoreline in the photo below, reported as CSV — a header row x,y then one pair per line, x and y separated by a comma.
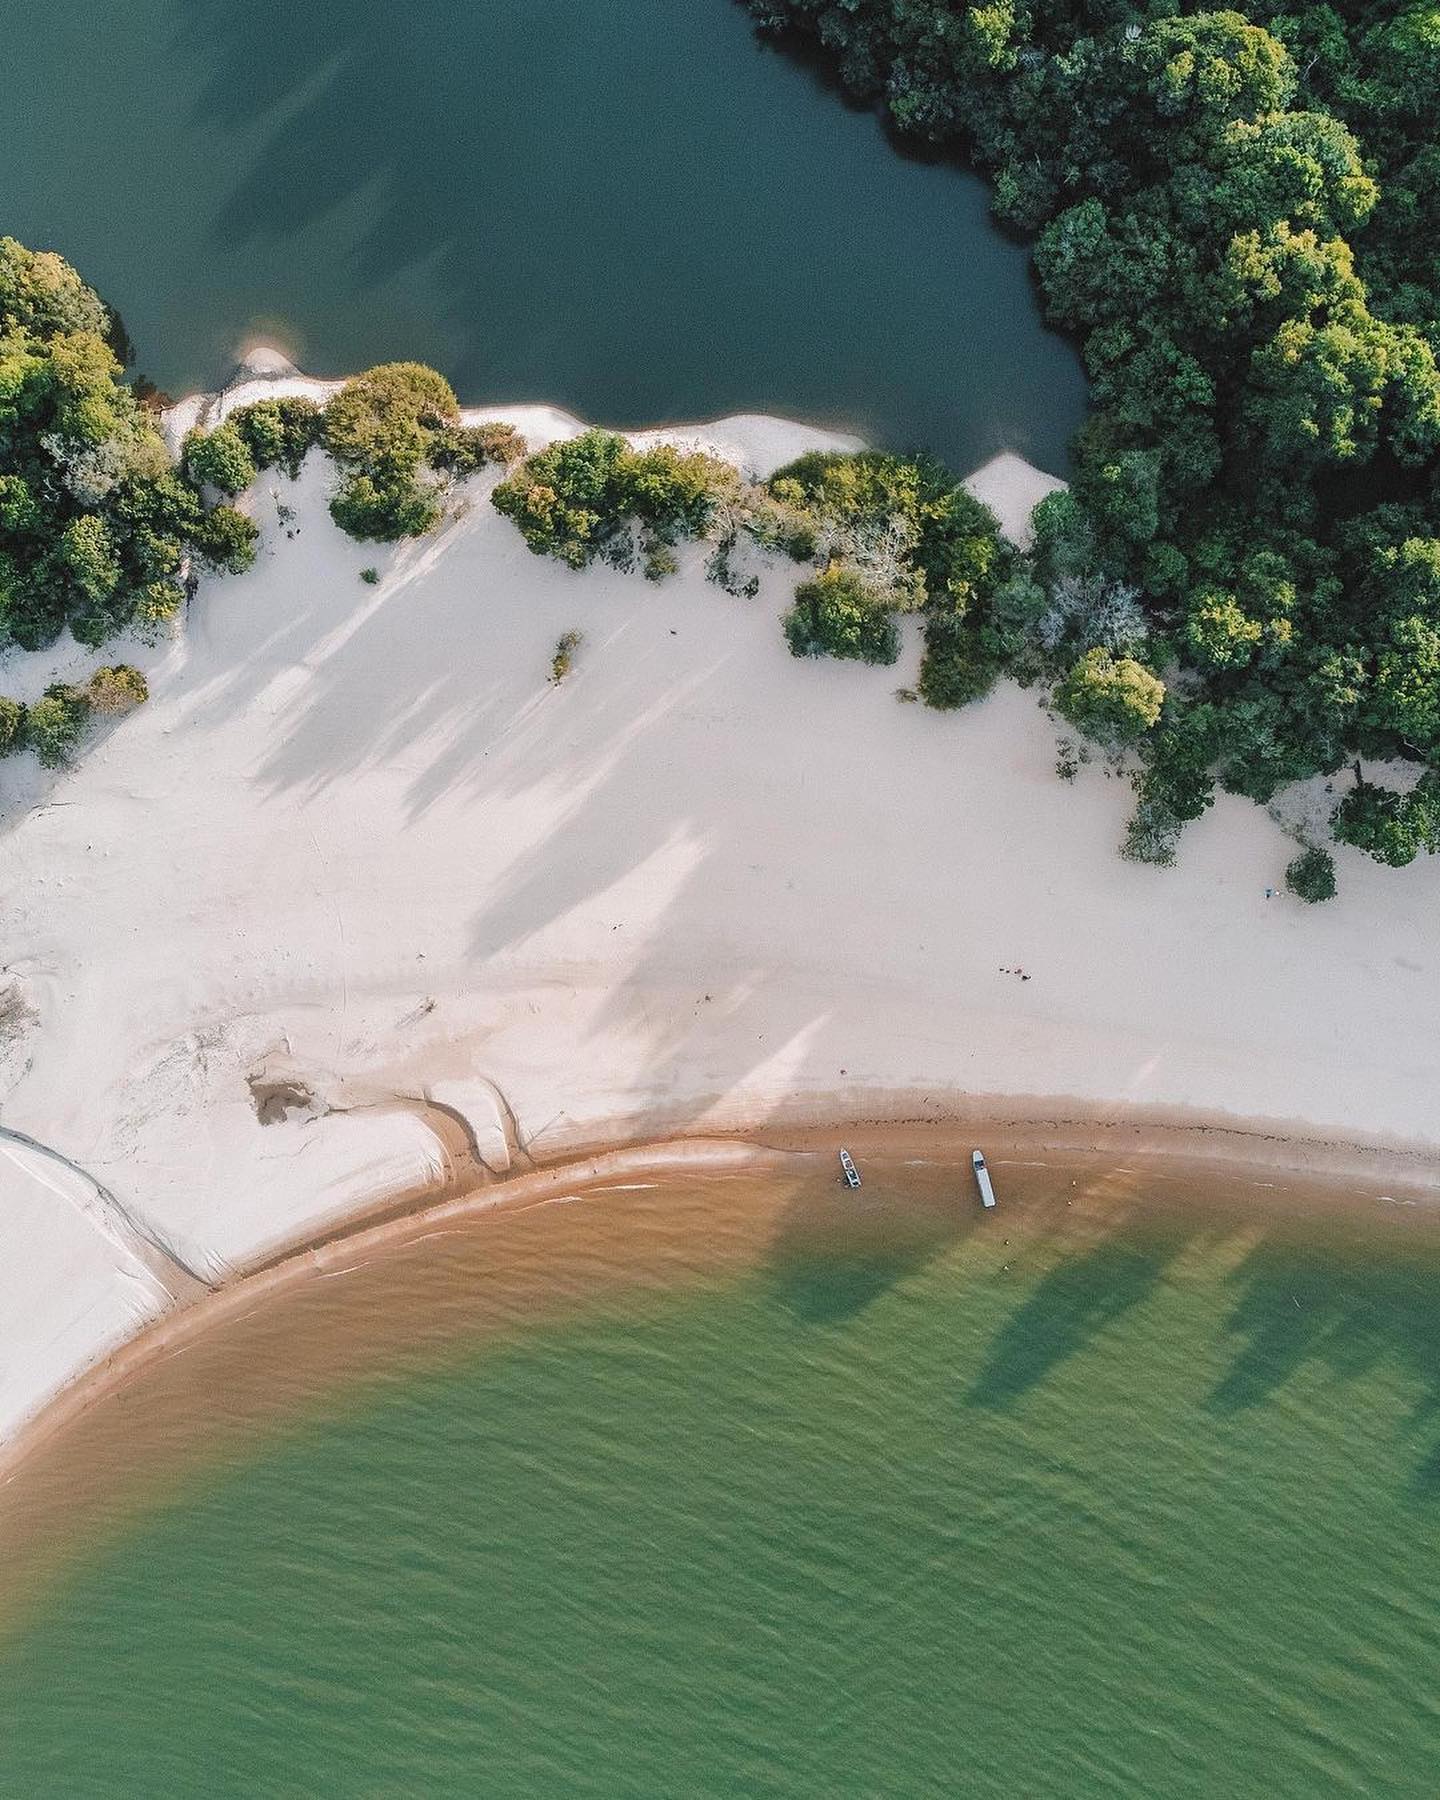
x,y
1291,1173
360,908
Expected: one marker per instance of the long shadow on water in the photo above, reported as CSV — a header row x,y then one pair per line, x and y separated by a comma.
x,y
837,1251
630,207
1319,1296
1083,1296
1348,1312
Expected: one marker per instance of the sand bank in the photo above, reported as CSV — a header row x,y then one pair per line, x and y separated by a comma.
x,y
360,905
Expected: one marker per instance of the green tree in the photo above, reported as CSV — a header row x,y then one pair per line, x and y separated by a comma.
x,y
219,459
56,722
1311,875
278,433
837,614
1114,700
1393,828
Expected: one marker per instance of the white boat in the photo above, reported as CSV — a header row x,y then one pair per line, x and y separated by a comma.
x,y
982,1179
852,1174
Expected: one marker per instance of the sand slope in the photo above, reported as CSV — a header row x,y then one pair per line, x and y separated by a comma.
x,y
359,867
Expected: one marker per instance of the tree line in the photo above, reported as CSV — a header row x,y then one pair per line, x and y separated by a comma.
x,y
1239,216
1242,586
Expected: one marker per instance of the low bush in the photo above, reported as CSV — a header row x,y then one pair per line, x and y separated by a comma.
x,y
384,421
380,511
574,498
156,605
1312,875
278,433
381,428
56,722
12,724
839,614
462,450
660,560
914,533
563,660
1153,832
117,688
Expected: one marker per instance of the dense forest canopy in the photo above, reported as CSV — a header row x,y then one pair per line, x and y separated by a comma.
x,y
95,523
1240,216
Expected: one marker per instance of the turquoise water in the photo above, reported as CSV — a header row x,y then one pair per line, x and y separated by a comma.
x,y
1139,1502
628,207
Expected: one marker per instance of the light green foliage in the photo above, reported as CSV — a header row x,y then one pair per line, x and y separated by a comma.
x,y
576,498
1311,875
219,459
1218,633
42,295
156,604
383,421
904,523
87,549
12,724
117,688
563,660
56,722
1114,700
381,428
837,614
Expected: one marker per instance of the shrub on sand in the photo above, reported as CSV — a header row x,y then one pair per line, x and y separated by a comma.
x,y
563,660
838,614
219,459
12,724
55,723
117,688
1312,875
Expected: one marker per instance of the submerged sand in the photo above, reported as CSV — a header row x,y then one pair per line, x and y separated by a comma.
x,y
361,909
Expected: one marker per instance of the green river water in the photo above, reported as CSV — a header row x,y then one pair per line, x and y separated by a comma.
x,y
628,207
1122,1493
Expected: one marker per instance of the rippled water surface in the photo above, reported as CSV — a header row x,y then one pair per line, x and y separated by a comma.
x,y
628,207
755,1487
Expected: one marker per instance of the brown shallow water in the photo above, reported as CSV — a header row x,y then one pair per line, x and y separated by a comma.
x,y
347,1325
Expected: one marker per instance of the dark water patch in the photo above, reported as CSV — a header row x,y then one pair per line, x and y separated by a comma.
x,y
631,208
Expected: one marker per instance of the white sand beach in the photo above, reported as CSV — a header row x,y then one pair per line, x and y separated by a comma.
x,y
360,905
